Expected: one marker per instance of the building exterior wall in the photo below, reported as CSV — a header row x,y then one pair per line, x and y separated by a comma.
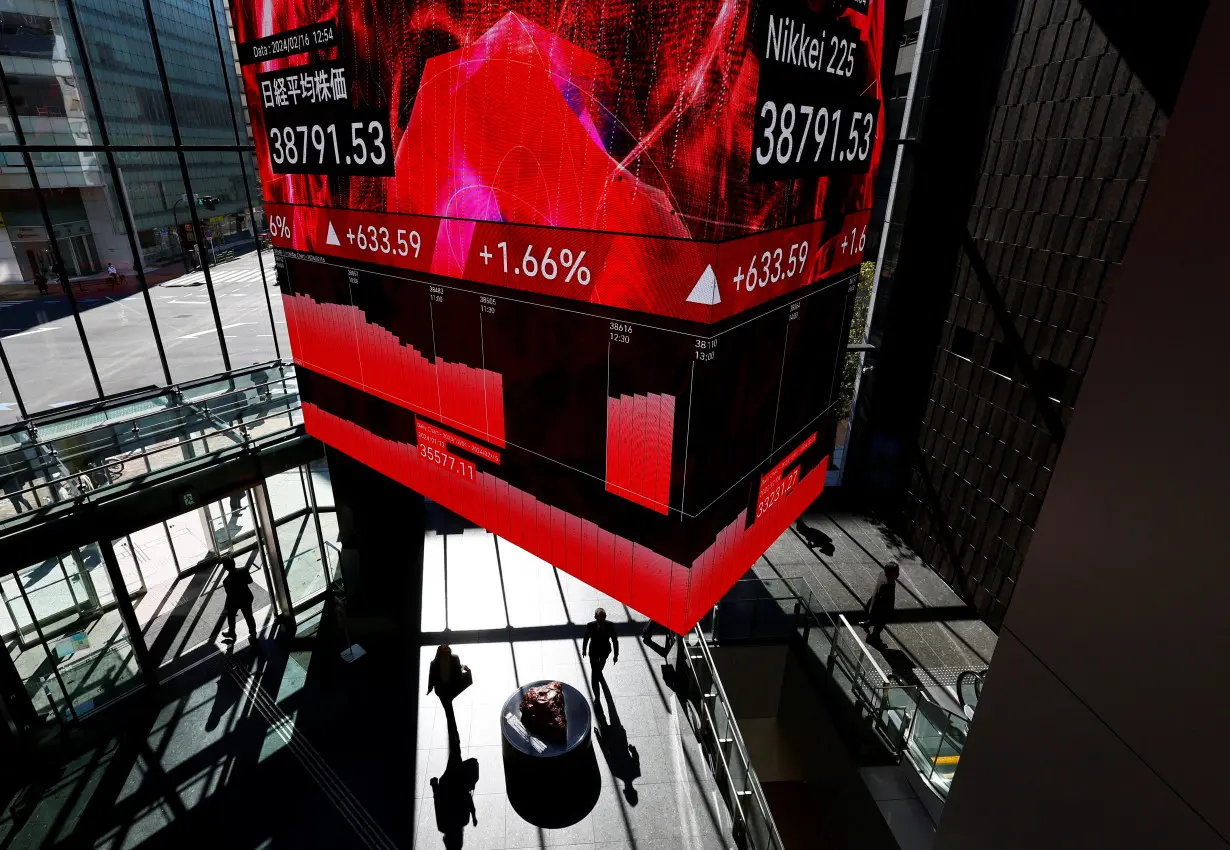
x,y
1075,124
133,104
1098,725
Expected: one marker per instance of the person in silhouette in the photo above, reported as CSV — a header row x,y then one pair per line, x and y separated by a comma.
x,y
448,677
600,643
237,584
882,602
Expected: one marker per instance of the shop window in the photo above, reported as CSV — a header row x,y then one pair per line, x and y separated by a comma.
x,y
37,96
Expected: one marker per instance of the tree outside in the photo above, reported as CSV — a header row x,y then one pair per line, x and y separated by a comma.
x,y
858,326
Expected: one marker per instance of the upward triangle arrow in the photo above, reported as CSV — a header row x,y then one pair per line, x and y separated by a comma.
x,y
331,238
706,289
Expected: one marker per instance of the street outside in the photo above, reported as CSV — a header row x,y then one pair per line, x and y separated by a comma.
x,y
41,343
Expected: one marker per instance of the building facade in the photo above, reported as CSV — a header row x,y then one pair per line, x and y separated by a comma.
x,y
45,71
1038,124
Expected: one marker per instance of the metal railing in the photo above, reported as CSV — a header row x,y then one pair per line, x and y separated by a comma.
x,y
902,717
752,820
891,705
46,462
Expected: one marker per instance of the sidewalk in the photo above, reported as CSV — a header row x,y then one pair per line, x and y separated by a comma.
x,y
100,283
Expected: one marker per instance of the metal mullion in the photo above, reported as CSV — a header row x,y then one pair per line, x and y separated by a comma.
x,y
243,172
122,148
183,167
117,180
320,534
56,256
8,370
128,615
136,562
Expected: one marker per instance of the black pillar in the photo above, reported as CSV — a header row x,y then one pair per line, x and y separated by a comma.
x,y
380,524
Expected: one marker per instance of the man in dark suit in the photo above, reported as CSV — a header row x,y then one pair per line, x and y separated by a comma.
x,y
882,602
599,644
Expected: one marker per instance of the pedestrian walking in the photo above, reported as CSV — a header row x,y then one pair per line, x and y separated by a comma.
x,y
448,677
112,274
600,643
237,585
40,280
882,602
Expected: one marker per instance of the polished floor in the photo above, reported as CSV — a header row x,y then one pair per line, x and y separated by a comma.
x,y
933,636
293,747
656,791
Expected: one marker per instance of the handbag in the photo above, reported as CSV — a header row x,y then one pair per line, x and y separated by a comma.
x,y
467,679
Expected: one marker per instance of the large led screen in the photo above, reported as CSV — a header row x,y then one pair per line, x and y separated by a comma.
x,y
581,272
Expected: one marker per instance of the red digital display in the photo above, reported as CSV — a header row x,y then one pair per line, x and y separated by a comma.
x,y
581,274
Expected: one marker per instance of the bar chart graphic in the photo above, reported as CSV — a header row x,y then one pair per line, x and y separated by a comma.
x,y
640,431
339,341
671,592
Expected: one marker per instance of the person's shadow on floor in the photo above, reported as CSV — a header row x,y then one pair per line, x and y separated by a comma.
x,y
226,697
453,792
622,757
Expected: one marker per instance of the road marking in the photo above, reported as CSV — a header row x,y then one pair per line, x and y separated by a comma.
x,y
211,330
43,329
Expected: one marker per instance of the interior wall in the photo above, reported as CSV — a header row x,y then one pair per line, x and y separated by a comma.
x,y
1101,721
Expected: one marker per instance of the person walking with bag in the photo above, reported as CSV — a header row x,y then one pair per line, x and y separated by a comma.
x,y
448,677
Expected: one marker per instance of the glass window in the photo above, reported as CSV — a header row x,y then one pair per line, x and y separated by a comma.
x,y
10,412
39,331
117,42
241,275
322,484
37,95
153,184
288,493
84,646
300,545
26,35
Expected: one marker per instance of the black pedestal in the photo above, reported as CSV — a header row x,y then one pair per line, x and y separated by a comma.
x,y
551,784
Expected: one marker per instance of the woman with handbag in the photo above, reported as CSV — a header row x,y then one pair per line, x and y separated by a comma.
x,y
448,677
